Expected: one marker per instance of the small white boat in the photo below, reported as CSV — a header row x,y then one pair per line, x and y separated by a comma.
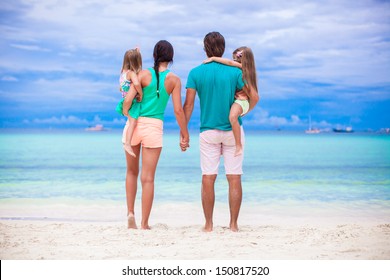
x,y
98,127
311,130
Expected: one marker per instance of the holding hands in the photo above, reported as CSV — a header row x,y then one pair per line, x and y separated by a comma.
x,y
184,142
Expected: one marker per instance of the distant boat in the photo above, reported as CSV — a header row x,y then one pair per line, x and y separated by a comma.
x,y
98,127
311,130
348,129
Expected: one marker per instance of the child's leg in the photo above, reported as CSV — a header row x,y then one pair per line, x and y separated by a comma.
x,y
129,135
235,112
131,95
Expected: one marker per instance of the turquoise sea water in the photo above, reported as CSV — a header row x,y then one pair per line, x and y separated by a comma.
x,y
284,166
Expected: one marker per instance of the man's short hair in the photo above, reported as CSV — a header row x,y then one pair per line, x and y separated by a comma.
x,y
214,44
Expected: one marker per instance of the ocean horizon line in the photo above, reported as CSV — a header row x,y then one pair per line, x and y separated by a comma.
x,y
191,130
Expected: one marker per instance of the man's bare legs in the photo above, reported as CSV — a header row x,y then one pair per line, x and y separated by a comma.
x,y
235,198
235,112
131,185
208,200
150,157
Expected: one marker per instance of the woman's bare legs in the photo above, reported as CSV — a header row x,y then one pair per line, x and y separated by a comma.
x,y
150,157
129,135
235,112
131,184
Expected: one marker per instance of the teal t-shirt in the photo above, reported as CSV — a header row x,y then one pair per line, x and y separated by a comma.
x,y
216,85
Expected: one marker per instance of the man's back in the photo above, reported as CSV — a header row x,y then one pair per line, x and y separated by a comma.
x,y
216,85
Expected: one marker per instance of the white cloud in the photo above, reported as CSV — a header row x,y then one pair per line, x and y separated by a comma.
x,y
74,121
29,47
58,120
9,79
76,90
297,39
295,120
71,49
262,118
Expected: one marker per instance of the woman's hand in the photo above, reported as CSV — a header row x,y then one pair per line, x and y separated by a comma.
x,y
184,142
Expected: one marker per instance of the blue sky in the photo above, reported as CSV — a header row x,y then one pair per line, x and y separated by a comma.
x,y
60,60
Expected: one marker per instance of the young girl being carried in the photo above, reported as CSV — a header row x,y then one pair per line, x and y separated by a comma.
x,y
132,65
243,58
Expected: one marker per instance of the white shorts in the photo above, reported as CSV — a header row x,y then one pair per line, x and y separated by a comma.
x,y
213,144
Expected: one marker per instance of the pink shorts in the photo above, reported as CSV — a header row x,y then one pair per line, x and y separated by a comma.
x,y
148,132
213,144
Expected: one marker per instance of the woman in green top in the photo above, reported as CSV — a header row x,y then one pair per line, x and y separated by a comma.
x,y
158,83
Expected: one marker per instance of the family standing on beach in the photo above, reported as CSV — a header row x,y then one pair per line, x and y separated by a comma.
x,y
227,90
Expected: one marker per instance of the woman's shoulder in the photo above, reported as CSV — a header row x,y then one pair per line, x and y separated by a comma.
x,y
172,76
172,79
144,73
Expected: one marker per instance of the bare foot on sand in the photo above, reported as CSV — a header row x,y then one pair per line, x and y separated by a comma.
x,y
147,227
131,221
208,228
233,227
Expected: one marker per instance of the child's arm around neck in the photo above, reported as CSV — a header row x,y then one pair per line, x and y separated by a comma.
x,y
223,61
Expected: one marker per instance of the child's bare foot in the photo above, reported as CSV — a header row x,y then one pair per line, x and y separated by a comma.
x,y
129,149
131,221
238,151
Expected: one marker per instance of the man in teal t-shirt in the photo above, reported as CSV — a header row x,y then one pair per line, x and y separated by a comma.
x,y
216,85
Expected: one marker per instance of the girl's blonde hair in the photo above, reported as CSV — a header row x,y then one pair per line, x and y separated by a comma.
x,y
244,55
132,61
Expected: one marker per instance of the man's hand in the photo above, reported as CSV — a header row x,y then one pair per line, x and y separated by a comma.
x,y
184,142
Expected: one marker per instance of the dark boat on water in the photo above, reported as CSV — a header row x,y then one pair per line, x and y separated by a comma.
x,y
343,130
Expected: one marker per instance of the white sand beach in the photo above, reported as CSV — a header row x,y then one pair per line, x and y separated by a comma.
x,y
266,232
101,241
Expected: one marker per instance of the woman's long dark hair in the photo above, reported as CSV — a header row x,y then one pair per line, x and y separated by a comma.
x,y
163,52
